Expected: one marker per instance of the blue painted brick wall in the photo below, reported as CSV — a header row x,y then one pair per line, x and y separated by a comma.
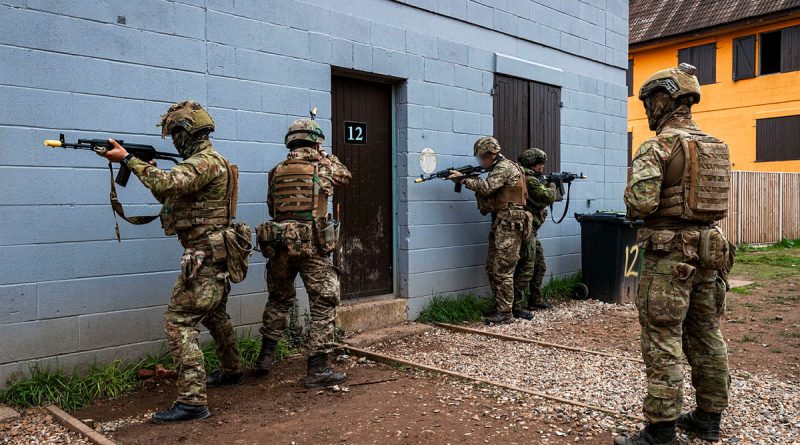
x,y
70,67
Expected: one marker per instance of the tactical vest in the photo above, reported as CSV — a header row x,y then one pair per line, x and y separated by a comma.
x,y
508,196
186,212
701,194
295,190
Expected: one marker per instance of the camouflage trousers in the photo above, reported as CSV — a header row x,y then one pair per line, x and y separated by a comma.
x,y
201,300
537,274
321,280
509,263
680,306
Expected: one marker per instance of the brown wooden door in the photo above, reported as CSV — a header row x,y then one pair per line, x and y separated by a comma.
x,y
362,140
528,114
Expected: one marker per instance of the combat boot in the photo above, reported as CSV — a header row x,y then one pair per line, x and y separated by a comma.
x,y
661,433
219,378
320,375
523,314
704,425
499,318
181,412
266,358
541,306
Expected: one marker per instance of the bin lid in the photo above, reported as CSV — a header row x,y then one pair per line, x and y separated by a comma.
x,y
606,216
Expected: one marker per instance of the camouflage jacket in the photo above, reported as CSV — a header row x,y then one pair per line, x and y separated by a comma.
x,y
502,172
643,192
201,177
539,197
332,172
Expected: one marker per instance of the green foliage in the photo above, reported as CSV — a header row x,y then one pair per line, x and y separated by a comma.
x,y
455,309
559,289
75,391
71,391
782,244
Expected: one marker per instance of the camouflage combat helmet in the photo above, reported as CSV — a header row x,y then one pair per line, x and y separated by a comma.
x,y
486,144
189,115
305,130
676,82
532,157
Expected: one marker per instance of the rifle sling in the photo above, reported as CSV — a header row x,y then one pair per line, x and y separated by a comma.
x,y
566,207
120,210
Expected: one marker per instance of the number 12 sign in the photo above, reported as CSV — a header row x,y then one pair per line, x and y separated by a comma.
x,y
355,133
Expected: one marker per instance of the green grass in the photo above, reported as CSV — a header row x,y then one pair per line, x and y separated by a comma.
x,y
782,244
73,391
749,339
560,289
455,309
468,307
768,263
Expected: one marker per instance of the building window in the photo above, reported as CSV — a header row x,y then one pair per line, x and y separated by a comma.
x,y
780,51
704,58
770,52
528,114
778,139
744,57
630,77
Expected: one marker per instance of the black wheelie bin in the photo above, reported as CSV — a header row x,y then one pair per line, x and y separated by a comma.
x,y
610,257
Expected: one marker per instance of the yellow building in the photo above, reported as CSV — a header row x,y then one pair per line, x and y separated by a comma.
x,y
748,57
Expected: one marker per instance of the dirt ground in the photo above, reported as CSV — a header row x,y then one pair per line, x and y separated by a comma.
x,y
391,405
406,407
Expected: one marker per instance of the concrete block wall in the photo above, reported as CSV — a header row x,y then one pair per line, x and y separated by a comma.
x,y
70,294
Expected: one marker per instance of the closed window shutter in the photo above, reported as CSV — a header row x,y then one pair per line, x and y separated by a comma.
x,y
744,57
778,139
790,49
704,58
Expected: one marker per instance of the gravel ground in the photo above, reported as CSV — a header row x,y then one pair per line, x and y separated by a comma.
x,y
37,427
763,410
568,311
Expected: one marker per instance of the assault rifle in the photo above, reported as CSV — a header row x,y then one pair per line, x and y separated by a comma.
x,y
559,179
467,171
146,153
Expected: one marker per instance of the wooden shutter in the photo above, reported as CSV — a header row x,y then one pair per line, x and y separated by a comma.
x,y
545,123
528,114
704,58
790,49
744,57
778,139
511,114
629,79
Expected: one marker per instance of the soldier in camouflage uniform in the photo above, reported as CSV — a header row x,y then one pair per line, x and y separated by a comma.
x,y
509,262
679,185
300,239
539,197
198,197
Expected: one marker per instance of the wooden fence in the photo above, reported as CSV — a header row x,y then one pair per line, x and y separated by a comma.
x,y
764,207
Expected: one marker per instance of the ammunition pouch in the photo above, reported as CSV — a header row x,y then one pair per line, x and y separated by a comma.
x,y
327,234
708,247
714,249
516,220
238,246
297,237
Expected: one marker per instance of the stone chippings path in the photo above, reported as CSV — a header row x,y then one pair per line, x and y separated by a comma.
x,y
36,426
764,410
